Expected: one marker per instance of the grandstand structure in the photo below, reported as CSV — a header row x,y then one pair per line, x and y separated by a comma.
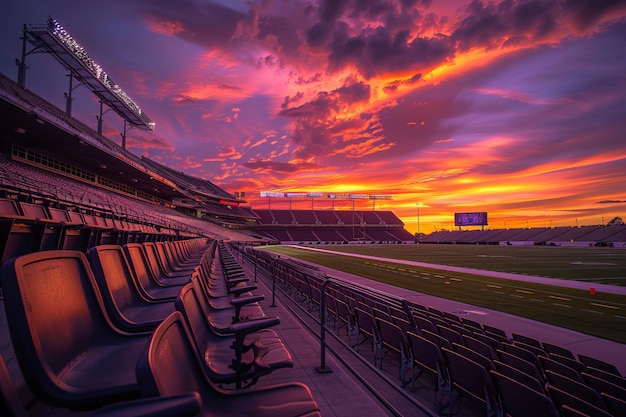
x,y
595,235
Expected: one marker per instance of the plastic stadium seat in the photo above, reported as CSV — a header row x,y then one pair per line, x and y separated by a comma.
x,y
604,386
427,357
119,287
471,379
184,405
598,364
251,350
518,400
575,388
551,348
615,405
564,398
393,338
607,376
171,366
520,364
519,376
548,364
62,335
160,267
148,282
478,346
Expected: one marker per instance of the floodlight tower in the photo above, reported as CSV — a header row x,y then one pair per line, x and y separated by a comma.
x,y
418,217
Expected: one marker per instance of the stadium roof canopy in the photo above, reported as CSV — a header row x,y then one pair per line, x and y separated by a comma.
x,y
54,39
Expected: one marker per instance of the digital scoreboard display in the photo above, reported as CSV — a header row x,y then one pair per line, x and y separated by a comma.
x,y
471,219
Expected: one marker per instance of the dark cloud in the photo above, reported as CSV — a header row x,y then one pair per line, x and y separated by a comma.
x,y
281,167
315,120
585,13
384,51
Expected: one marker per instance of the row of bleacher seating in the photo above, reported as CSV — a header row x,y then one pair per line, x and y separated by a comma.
x,y
326,217
167,328
331,226
27,183
335,235
28,227
594,235
513,375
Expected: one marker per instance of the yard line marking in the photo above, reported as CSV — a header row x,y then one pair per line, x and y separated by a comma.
x,y
604,305
440,276
563,305
426,273
619,317
516,296
539,301
455,279
592,311
497,292
493,286
525,292
559,298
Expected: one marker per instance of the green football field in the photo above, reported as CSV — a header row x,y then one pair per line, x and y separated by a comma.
x,y
602,314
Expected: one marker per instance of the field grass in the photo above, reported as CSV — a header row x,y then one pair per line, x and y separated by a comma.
x,y
602,314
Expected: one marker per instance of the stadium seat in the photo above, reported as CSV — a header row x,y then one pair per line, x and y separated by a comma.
x,y
427,357
615,405
564,398
128,309
248,352
161,272
519,400
393,338
62,334
519,376
575,388
148,282
589,361
171,366
471,380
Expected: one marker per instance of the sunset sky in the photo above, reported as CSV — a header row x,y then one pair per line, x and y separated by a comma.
x,y
514,107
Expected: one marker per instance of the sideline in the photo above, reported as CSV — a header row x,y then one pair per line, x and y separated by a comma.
x,y
581,285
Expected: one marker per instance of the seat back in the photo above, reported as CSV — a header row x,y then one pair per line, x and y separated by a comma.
x,y
54,314
171,364
519,400
426,354
113,274
470,378
564,398
137,259
598,364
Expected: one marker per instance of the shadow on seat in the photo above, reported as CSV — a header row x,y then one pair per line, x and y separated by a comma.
x,y
61,334
171,366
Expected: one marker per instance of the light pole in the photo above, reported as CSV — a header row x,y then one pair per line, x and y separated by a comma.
x,y
418,218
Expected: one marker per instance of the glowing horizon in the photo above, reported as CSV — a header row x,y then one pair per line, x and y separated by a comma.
x,y
515,108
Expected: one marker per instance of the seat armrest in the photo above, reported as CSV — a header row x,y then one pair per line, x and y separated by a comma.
x,y
244,327
238,303
237,291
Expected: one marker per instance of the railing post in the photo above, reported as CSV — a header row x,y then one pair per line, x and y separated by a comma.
x,y
323,369
274,282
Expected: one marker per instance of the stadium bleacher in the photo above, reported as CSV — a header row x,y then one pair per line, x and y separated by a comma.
x,y
66,231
